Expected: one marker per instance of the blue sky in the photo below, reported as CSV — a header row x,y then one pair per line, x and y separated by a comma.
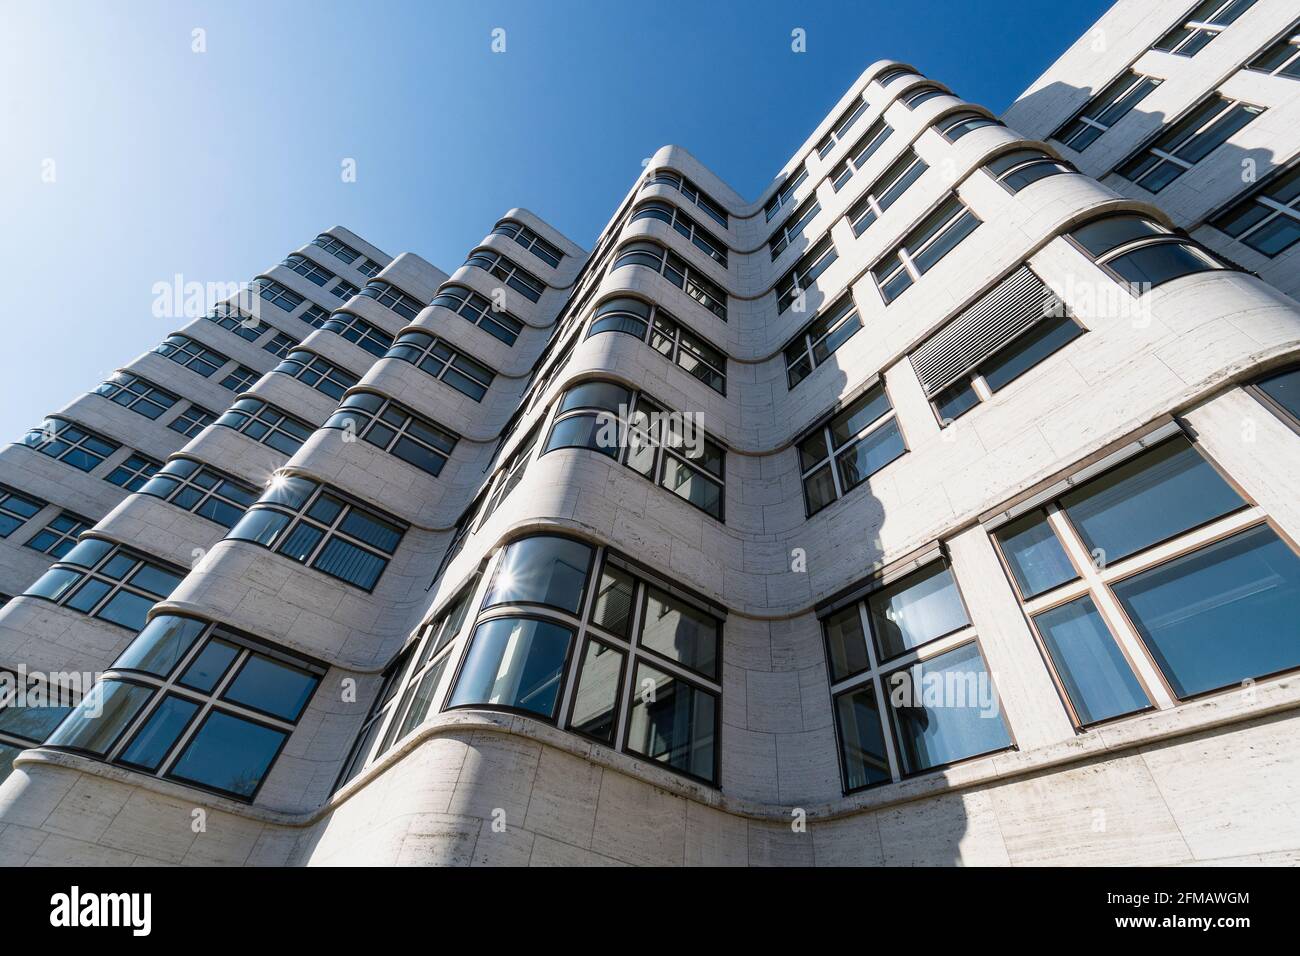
x,y
214,165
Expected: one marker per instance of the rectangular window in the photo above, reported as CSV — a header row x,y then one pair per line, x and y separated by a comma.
x,y
674,268
138,394
311,369
820,339
785,195
666,177
529,240
1282,58
266,425
391,297
321,529
247,327
393,428
63,441
885,191
107,581
1156,560
789,230
280,345
315,316
929,241
359,332
812,264
59,536
862,151
435,357
204,706
201,490
1105,110
192,355
278,295
1280,391
842,126
514,276
240,379
16,509
132,473
316,274
847,450
192,420
1206,21
651,323
344,290
1268,218
476,309
1187,142
508,476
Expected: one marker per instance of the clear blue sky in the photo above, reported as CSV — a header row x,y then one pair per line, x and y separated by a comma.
x,y
215,165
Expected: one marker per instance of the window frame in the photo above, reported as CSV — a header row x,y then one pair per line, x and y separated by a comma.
x,y
206,492
907,250
1112,95
838,313
408,344
1170,139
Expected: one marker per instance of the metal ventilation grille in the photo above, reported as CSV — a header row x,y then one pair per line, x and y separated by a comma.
x,y
1011,307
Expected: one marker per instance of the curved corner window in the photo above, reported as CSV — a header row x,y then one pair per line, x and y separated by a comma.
x,y
1020,167
672,341
478,310
543,569
675,269
433,356
391,427
515,663
108,582
266,424
1141,253
956,125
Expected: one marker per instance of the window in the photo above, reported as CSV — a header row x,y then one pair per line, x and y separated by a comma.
x,y
1007,331
1020,167
16,509
247,327
529,240
405,700
1268,218
666,177
1141,253
860,440
194,702
133,392
920,94
789,230
1205,609
1188,141
359,332
393,298
63,441
812,264
1280,391
107,581
785,194
280,345
322,529
666,336
673,267
202,490
368,268
29,710
1282,58
278,295
862,150
184,351
820,338
345,290
59,536
1105,110
432,355
498,266
956,125
886,190
393,428
928,242
698,236
266,424
318,275
192,420
336,248
669,449
644,678
508,476
240,379
133,472
475,308
313,370
1206,21
894,72
315,316
907,649
842,126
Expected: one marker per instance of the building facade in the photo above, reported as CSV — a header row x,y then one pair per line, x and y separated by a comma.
x,y
937,507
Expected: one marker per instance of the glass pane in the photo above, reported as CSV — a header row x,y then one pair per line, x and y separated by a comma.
x,y
1157,495
127,609
595,703
870,454
955,401
53,584
819,489
229,753
846,645
1105,234
260,525
1035,556
161,645
1097,678
1285,390
542,570
945,710
1028,350
1154,265
672,722
862,739
100,717
422,699
612,608
1221,615
272,687
861,413
515,662
687,483
32,721
159,732
917,609
350,563
680,633
207,669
